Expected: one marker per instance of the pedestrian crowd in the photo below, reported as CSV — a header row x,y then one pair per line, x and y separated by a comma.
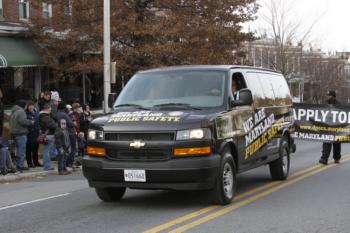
x,y
61,130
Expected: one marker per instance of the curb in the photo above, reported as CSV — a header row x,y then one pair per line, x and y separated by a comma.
x,y
24,176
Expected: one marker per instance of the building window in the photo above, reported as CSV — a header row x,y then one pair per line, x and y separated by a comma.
x,y
23,9
47,10
68,7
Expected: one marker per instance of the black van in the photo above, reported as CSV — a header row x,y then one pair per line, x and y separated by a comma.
x,y
191,128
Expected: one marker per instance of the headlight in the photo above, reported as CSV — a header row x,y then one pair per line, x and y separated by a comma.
x,y
193,134
95,135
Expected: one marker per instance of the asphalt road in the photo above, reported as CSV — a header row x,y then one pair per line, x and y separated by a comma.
x,y
315,198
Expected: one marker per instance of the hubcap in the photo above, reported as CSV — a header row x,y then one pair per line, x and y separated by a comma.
x,y
285,162
227,180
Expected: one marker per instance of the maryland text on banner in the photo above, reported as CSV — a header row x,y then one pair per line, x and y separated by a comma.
x,y
327,123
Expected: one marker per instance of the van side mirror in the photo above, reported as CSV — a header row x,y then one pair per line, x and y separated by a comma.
x,y
245,97
111,99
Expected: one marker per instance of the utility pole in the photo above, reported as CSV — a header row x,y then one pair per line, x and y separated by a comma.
x,y
106,54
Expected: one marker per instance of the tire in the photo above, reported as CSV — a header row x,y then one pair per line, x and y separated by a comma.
x,y
110,194
225,183
279,169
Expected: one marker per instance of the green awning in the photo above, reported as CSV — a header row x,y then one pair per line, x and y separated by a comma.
x,y
19,52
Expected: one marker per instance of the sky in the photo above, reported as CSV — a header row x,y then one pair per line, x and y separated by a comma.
x,y
331,17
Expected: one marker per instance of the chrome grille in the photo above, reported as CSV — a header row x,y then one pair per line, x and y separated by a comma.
x,y
139,154
168,136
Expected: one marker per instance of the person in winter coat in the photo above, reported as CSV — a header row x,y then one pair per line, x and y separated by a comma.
x,y
85,120
6,165
48,99
32,144
62,143
75,115
55,99
81,144
62,114
81,148
327,147
40,101
1,114
44,98
19,129
3,169
48,126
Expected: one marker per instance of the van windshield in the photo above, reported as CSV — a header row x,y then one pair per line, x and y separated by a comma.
x,y
194,89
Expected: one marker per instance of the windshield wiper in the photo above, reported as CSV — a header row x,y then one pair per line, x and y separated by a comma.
x,y
131,105
183,105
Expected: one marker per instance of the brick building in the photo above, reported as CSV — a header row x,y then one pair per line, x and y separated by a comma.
x,y
22,71
310,73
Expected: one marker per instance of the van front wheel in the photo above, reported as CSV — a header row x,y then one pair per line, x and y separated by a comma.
x,y
110,194
279,169
225,184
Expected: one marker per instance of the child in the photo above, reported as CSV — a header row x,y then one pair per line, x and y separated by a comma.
x,y
63,146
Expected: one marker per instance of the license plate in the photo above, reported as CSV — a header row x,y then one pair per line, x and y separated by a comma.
x,y
135,175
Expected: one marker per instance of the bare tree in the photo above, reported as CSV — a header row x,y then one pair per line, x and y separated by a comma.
x,y
285,39
286,30
144,33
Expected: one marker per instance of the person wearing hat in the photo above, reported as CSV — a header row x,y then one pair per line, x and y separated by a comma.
x,y
327,146
55,100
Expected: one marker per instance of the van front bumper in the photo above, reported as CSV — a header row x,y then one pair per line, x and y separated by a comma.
x,y
194,173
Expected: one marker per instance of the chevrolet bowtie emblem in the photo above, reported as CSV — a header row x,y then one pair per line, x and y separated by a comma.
x,y
137,144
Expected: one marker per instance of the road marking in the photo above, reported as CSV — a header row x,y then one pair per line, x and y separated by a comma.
x,y
205,210
34,201
181,219
235,206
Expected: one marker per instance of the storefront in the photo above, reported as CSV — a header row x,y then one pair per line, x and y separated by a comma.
x,y
22,71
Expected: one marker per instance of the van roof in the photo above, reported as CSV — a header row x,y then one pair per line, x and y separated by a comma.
x,y
206,67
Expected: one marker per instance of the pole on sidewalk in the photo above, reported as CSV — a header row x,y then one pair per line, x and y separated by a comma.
x,y
106,54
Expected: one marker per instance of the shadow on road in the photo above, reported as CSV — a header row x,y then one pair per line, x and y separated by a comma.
x,y
165,199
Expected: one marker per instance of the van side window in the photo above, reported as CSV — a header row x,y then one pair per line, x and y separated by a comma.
x,y
268,89
256,88
280,86
267,86
281,89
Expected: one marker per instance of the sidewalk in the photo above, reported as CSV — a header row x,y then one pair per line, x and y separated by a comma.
x,y
25,175
32,173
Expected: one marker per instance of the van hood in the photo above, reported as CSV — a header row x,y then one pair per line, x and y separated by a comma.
x,y
154,120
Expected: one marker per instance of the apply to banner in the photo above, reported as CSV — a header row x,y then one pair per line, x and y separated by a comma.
x,y
327,123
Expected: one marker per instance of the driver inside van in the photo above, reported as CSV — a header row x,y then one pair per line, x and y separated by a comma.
x,y
237,84
235,89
